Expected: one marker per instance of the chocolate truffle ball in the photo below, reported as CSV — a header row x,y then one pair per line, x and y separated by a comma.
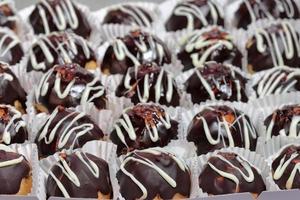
x,y
134,49
285,171
15,173
154,174
249,11
275,45
143,126
8,17
128,15
227,173
195,14
214,44
149,82
216,127
66,129
279,80
60,48
216,81
59,15
90,177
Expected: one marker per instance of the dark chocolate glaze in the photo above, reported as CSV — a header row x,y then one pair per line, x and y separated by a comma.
x,y
90,185
258,60
264,9
214,183
156,82
128,15
240,129
218,82
140,117
12,126
153,182
8,17
201,7
156,51
291,157
63,47
71,131
70,15
216,39
12,175
84,87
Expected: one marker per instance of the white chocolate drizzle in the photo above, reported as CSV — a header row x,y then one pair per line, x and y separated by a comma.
x,y
9,162
6,47
138,14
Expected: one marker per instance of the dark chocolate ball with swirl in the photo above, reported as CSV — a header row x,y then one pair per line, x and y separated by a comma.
x,y
195,14
59,15
143,126
132,50
66,129
215,44
227,173
216,81
216,127
11,91
149,82
69,85
275,45
154,174
15,173
285,167
8,17
60,48
249,11
128,14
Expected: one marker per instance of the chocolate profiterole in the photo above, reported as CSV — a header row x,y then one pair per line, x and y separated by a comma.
x,y
66,129
216,127
143,126
285,168
154,174
215,44
12,126
195,14
59,15
15,173
275,45
8,17
216,81
86,176
283,121
128,14
60,48
278,80
227,173
11,91
69,85
149,82
249,11
132,50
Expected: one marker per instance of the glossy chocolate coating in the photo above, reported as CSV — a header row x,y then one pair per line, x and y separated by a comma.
x,y
214,183
128,15
249,11
152,181
219,46
8,16
215,81
240,133
129,51
59,48
72,18
12,175
143,118
90,185
61,123
280,46
183,16
70,85
290,157
157,84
